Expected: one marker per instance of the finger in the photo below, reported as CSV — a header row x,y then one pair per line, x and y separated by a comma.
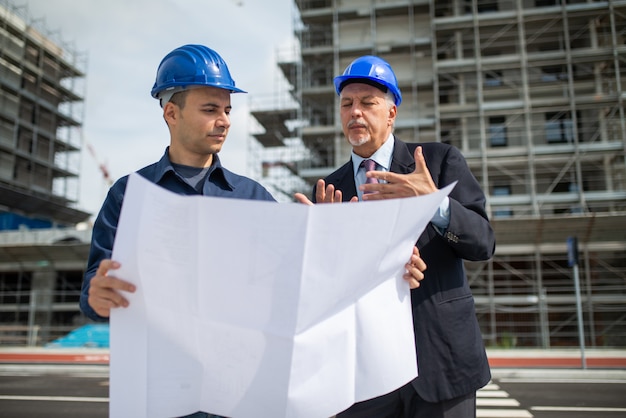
x,y
413,283
119,284
413,276
414,271
102,300
330,194
102,308
369,188
338,196
106,297
108,283
378,191
320,191
417,261
301,198
386,176
104,294
371,195
103,280
103,303
105,266
420,161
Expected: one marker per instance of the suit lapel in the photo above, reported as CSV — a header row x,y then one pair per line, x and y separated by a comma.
x,y
343,179
402,161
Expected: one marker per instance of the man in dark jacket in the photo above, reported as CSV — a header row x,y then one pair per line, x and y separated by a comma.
x,y
452,362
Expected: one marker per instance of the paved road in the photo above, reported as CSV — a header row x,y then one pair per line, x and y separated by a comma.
x,y
51,391
54,391
554,394
571,399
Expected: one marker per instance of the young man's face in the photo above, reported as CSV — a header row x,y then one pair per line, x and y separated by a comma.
x,y
200,126
366,117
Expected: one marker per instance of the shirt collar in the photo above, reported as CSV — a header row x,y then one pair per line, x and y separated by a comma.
x,y
382,156
164,166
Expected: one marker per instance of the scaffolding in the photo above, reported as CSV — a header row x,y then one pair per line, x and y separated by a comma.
x,y
41,111
531,92
276,123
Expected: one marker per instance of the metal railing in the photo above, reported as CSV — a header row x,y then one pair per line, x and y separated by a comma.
x,y
19,335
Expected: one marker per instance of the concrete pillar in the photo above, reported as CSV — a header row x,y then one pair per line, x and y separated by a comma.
x,y
41,300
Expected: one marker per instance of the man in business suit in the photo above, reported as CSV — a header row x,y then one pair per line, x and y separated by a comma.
x,y
452,362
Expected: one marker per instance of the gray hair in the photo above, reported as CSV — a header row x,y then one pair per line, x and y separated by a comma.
x,y
391,101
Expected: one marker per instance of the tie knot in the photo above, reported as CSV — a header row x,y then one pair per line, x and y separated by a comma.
x,y
369,165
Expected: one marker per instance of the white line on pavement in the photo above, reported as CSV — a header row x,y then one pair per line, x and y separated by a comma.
x,y
53,398
503,413
576,409
497,402
538,380
492,394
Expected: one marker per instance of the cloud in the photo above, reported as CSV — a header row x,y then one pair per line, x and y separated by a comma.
x,y
126,40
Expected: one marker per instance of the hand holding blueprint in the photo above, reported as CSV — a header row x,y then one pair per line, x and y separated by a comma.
x,y
260,309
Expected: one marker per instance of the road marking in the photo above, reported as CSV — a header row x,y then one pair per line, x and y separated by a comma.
x,y
492,394
574,380
576,409
492,402
497,402
53,398
503,413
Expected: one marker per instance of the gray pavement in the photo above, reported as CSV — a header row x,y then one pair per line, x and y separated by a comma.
x,y
74,384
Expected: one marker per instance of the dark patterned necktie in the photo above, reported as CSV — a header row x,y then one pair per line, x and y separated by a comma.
x,y
369,165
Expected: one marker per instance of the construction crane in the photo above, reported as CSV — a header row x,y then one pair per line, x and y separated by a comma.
x,y
101,166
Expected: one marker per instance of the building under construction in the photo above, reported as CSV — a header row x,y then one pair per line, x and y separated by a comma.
x,y
42,255
532,92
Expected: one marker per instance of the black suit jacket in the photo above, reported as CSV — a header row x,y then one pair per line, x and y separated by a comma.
x,y
451,356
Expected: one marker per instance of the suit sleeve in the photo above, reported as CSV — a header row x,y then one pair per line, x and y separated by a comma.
x,y
469,233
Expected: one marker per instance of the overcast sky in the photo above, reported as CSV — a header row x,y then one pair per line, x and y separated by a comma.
x,y
125,42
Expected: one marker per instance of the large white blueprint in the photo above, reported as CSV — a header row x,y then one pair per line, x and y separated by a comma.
x,y
260,309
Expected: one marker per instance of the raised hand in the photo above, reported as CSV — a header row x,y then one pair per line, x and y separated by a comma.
x,y
417,183
104,290
323,194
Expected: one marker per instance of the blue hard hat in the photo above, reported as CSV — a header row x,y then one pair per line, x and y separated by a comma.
x,y
193,65
370,69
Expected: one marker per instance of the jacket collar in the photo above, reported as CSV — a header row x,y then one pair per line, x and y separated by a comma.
x,y
164,166
403,161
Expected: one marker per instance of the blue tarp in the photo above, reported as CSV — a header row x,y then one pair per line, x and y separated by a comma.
x,y
93,336
12,222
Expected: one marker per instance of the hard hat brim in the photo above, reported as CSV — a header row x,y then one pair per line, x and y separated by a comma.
x,y
343,80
